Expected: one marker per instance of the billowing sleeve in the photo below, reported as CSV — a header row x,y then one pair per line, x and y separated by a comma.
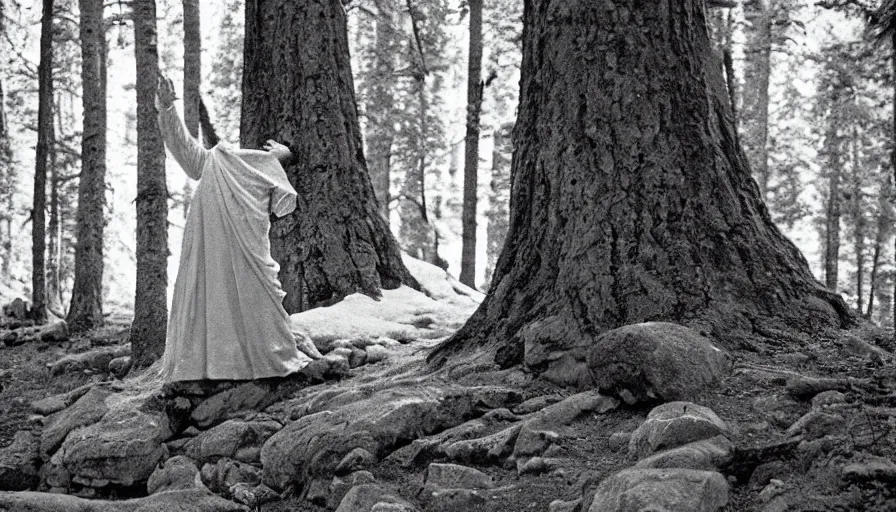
x,y
283,200
187,151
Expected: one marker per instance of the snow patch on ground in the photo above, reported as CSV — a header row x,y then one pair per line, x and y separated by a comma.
x,y
403,314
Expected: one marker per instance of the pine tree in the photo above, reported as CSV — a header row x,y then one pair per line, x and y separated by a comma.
x,y
150,304
86,310
632,198
471,145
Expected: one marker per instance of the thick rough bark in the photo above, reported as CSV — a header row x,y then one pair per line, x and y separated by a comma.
x,y
857,212
54,228
757,73
192,66
6,186
39,206
299,89
86,310
380,130
631,198
150,304
471,150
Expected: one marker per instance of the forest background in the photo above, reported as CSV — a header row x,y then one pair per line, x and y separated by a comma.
x,y
812,94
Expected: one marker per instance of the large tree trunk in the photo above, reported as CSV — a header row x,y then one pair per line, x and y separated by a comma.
x,y
631,198
471,143
893,161
39,205
150,304
380,129
6,185
858,217
86,310
757,74
299,90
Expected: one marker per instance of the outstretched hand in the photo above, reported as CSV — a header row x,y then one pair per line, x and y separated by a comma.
x,y
165,96
278,150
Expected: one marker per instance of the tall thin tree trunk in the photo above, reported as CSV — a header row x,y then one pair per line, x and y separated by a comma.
x,y
858,219
498,206
54,231
192,78
44,127
6,178
380,129
86,309
336,243
192,66
471,151
893,162
754,117
150,304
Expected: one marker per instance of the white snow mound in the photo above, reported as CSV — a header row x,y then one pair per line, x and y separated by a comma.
x,y
403,314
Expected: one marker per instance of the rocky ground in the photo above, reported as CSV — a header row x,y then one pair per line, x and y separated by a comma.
x,y
672,423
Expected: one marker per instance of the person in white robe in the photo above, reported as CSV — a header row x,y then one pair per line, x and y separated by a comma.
x,y
227,320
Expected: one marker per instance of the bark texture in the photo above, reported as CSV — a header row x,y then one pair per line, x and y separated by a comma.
x,y
381,104
192,66
299,89
86,310
757,74
499,200
150,303
832,229
631,197
39,205
471,149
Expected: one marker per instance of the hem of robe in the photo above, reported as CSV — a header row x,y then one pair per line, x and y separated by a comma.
x,y
289,370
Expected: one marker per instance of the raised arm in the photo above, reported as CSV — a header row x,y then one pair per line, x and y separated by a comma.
x,y
186,150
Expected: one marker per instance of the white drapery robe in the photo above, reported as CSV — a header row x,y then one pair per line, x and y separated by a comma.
x,y
227,319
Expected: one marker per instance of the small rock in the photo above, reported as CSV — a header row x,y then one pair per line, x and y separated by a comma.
x,y
19,462
376,353
826,398
803,387
176,473
57,331
778,410
362,498
455,476
771,491
359,458
358,357
490,448
873,468
536,465
252,495
96,361
619,440
536,404
816,424
454,500
534,442
226,473
565,506
708,455
674,424
766,472
120,366
670,490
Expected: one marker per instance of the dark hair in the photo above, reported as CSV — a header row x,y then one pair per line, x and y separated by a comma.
x,y
209,137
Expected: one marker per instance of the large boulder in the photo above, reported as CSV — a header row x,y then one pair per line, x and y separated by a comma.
x,y
314,445
87,410
364,498
19,462
669,490
122,448
235,439
674,424
171,501
253,395
655,361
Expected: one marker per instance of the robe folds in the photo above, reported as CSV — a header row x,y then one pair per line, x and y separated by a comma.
x,y
227,320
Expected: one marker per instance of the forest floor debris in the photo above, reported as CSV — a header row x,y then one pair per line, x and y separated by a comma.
x,y
370,427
